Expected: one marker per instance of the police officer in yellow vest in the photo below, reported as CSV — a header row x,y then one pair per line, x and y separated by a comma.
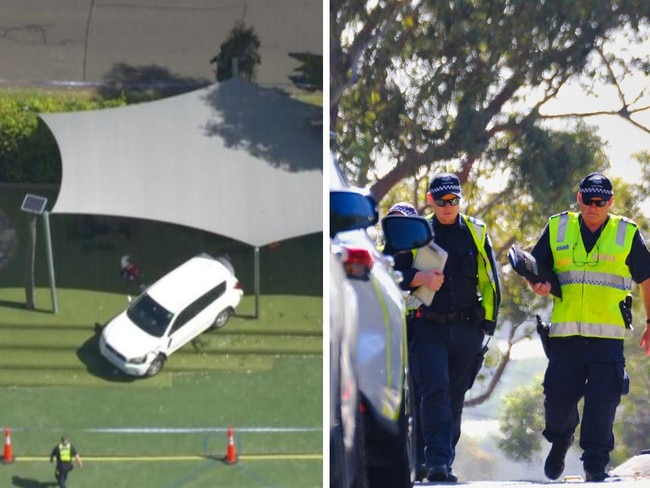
x,y
64,453
596,257
447,336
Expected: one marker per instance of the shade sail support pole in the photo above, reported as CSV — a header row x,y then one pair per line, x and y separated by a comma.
x,y
257,282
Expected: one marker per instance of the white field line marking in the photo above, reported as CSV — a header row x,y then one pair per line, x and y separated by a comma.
x,y
175,430
198,430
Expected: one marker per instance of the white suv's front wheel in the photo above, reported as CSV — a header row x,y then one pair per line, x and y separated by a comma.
x,y
156,365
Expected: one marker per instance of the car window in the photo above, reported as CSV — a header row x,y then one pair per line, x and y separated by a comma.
x,y
149,315
198,305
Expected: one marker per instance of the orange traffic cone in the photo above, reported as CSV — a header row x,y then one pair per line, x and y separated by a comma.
x,y
231,452
8,456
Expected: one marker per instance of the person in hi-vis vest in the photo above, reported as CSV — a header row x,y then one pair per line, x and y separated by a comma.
x,y
597,256
446,344
64,453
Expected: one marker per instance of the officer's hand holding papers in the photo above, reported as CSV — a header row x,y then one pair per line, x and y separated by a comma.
x,y
525,264
429,257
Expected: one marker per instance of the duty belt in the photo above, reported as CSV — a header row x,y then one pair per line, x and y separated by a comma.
x,y
444,318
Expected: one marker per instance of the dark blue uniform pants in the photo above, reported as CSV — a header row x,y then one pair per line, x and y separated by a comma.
x,y
445,358
61,474
594,369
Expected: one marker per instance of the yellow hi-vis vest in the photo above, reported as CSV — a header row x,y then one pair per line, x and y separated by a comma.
x,y
486,282
65,453
592,284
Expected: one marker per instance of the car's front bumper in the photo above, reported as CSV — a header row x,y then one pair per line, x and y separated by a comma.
x,y
119,361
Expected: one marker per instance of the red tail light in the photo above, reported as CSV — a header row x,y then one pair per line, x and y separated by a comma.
x,y
358,264
238,286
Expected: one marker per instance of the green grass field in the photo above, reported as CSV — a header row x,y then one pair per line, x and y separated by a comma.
x,y
262,376
172,432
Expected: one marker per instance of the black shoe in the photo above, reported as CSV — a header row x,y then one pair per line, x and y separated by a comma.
x,y
596,475
440,474
554,464
420,472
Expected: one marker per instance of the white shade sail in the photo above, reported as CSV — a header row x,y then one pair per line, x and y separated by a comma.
x,y
234,159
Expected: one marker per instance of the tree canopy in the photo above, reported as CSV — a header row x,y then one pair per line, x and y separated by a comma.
x,y
419,84
242,45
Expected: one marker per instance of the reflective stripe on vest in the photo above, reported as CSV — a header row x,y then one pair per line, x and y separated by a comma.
x,y
486,284
592,283
65,453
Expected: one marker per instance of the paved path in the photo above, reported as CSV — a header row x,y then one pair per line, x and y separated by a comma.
x,y
622,483
634,473
83,40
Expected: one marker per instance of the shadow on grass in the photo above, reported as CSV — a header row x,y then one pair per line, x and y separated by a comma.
x,y
21,306
30,483
88,250
96,364
246,316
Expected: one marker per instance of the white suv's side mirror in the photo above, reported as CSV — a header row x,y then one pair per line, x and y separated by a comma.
x,y
351,210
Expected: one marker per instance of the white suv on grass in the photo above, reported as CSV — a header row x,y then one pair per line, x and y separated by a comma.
x,y
200,294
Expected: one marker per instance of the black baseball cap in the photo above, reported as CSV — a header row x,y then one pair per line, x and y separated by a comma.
x,y
403,208
596,185
445,184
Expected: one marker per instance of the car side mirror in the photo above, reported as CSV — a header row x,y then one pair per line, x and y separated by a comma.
x,y
350,210
404,233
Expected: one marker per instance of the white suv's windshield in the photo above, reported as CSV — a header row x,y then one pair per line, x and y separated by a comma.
x,y
149,315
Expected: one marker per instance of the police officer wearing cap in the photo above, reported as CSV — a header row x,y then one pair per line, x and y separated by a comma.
x,y
596,257
64,453
447,336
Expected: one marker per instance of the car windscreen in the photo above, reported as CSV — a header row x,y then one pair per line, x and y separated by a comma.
x,y
149,315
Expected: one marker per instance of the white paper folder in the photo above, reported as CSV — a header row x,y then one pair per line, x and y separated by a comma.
x,y
431,256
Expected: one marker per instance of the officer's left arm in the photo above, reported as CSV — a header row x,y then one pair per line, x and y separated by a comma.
x,y
639,263
76,457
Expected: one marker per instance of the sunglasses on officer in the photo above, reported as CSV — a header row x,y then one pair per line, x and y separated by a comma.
x,y
451,201
590,201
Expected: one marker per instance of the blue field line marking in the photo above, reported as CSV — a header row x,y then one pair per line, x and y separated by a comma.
x,y
193,474
244,469
255,476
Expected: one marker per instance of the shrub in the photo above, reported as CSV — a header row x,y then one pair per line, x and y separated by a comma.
x,y
28,150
